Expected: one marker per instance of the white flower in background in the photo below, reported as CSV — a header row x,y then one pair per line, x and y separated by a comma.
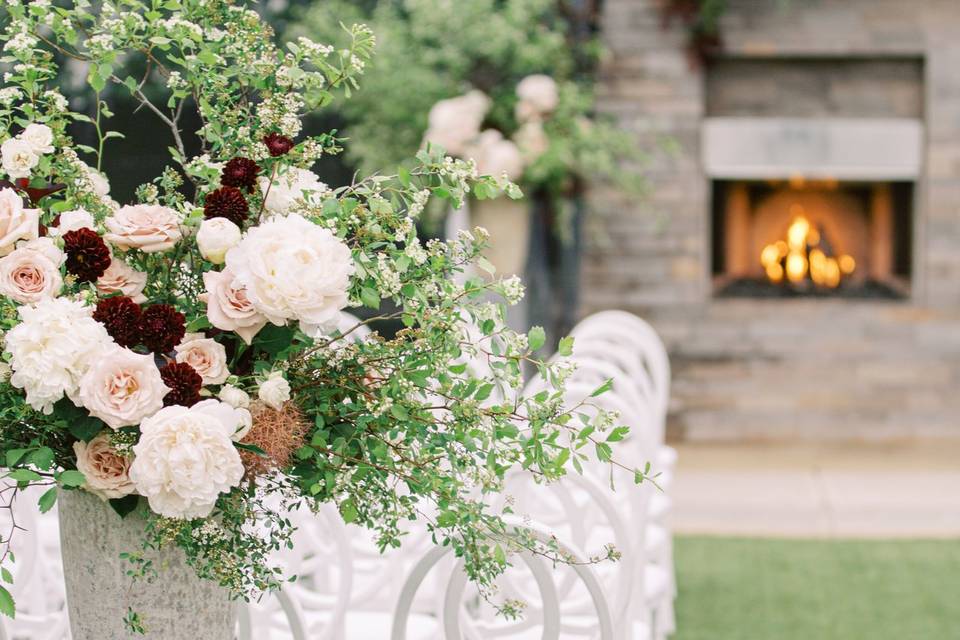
x,y
16,222
293,270
454,123
149,227
39,137
31,272
532,140
207,357
539,96
106,471
234,396
296,185
215,237
274,391
101,186
122,388
52,348
228,306
73,220
18,158
124,279
497,156
185,457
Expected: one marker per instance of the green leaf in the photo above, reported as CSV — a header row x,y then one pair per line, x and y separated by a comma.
x,y
71,478
348,511
604,452
602,389
370,298
6,575
618,434
536,337
252,448
24,475
273,339
447,519
14,456
48,499
7,606
565,348
126,505
80,424
42,458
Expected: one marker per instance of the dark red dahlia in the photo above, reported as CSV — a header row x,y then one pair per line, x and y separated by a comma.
x,y
241,173
87,254
229,203
161,328
121,316
277,144
184,383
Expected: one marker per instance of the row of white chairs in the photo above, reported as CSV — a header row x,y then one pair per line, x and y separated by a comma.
x,y
347,590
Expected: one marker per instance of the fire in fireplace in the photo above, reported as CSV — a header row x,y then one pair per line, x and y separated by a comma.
x,y
806,254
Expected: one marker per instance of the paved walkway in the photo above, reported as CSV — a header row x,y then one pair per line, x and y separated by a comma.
x,y
903,490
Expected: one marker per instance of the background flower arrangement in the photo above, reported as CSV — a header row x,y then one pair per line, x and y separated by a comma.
x,y
183,356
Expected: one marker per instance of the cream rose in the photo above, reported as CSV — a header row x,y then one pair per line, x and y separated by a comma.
x,y
228,307
532,141
207,357
185,457
39,137
234,396
274,391
149,227
16,222
293,269
32,272
122,278
539,95
106,471
122,388
296,185
73,220
18,158
453,123
215,237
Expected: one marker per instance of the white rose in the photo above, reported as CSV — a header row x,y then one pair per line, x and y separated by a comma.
x,y
39,137
73,220
496,156
16,223
122,278
215,237
52,348
148,227
296,185
293,269
122,388
532,140
106,471
234,396
18,158
453,123
228,307
207,357
185,458
274,391
539,93
101,186
32,272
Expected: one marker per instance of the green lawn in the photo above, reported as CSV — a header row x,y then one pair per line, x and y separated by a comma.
x,y
747,589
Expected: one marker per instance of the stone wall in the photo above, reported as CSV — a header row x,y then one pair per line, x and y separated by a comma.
x,y
762,369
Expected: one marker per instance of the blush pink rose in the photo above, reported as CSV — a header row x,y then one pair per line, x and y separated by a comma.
x,y
149,227
106,471
32,272
122,278
207,357
122,388
228,307
16,222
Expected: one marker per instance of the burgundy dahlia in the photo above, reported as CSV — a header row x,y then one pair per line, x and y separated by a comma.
x,y
161,328
277,144
184,383
241,173
229,203
87,254
121,317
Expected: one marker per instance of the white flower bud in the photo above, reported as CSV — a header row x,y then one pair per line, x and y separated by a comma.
x,y
217,236
274,391
234,396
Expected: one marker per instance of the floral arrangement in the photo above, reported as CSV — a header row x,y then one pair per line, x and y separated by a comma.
x,y
186,356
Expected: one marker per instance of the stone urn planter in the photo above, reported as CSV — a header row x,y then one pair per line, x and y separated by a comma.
x,y
177,605
508,222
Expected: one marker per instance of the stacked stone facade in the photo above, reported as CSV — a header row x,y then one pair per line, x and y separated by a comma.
x,y
785,368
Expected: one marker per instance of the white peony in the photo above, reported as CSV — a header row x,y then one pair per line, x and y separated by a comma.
x,y
497,156
122,388
234,396
455,122
52,348
106,471
539,95
18,158
32,272
73,220
124,279
274,391
185,457
296,185
215,237
16,222
293,269
39,137
207,357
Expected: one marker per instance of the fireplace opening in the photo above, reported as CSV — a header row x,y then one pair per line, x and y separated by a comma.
x,y
812,238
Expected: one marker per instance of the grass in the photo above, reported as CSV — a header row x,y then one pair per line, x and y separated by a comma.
x,y
747,589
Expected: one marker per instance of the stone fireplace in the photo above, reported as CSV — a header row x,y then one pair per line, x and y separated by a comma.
x,y
800,247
